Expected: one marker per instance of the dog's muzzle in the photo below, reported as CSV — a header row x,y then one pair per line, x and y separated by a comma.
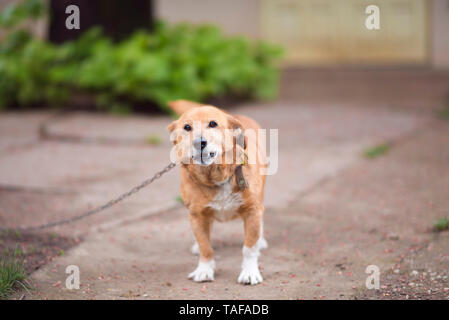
x,y
203,153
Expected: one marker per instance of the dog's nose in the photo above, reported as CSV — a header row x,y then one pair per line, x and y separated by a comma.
x,y
200,143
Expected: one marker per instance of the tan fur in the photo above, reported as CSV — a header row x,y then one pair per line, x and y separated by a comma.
x,y
181,106
199,183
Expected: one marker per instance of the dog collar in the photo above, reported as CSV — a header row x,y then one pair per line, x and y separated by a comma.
x,y
240,178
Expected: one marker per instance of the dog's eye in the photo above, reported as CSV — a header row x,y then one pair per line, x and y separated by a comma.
x,y
187,127
212,124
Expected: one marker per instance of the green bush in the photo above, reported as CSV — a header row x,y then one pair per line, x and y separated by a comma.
x,y
171,62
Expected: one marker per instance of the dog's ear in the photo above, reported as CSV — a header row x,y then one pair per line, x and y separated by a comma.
x,y
239,134
181,106
171,126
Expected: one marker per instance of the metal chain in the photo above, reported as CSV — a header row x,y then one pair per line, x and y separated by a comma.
x,y
101,208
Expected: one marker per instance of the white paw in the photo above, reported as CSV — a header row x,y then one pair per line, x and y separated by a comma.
x,y
204,271
195,248
250,275
262,243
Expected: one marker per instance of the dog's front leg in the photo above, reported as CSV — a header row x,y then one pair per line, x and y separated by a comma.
x,y
201,226
250,273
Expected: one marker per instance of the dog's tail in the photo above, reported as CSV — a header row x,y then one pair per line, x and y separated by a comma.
x,y
181,106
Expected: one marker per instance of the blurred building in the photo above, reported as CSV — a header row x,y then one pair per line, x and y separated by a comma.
x,y
325,32
330,32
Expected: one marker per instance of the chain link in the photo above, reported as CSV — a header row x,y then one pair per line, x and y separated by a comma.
x,y
101,208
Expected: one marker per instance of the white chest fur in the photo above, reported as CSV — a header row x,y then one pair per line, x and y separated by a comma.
x,y
225,203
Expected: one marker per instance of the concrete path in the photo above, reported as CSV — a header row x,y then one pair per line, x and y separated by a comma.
x,y
320,244
314,143
319,248
329,212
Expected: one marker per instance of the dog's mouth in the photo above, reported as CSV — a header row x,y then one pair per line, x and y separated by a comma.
x,y
204,158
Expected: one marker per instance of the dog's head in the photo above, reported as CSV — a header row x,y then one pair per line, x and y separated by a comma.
x,y
204,135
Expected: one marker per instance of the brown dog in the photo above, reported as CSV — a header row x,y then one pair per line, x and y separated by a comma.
x,y
214,188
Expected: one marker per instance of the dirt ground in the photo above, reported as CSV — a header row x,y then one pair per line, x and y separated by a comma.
x,y
36,250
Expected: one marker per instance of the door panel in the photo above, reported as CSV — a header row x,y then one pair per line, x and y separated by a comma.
x,y
333,32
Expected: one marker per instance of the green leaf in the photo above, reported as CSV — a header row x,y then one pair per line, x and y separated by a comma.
x,y
182,61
